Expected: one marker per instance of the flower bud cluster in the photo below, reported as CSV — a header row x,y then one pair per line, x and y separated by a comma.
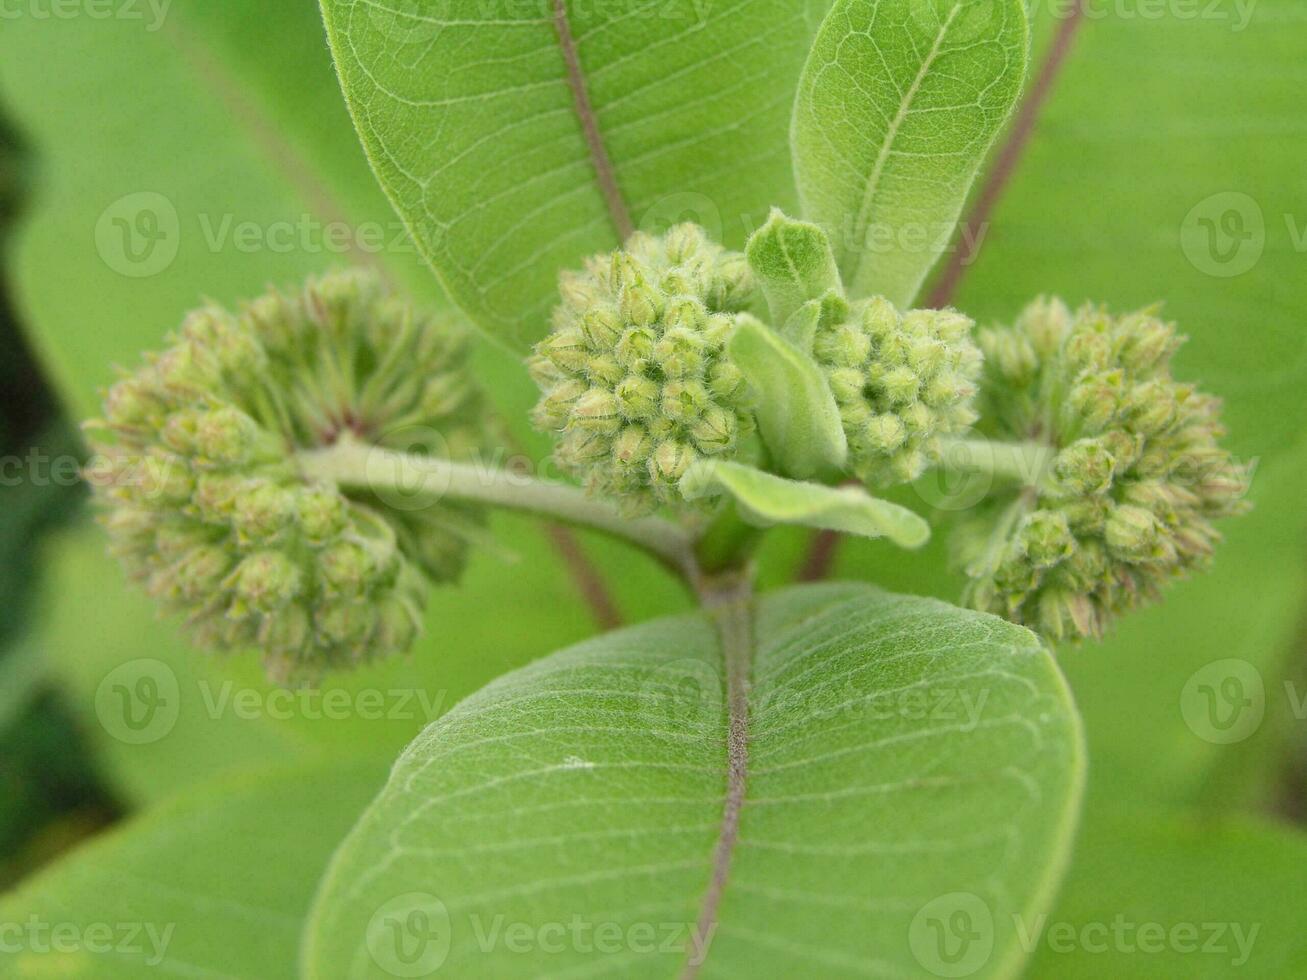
x,y
1137,475
901,381
635,378
203,500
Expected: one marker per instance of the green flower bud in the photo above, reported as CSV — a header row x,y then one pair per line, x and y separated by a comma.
x,y
901,381
1084,468
265,581
206,506
1123,511
261,510
644,330
322,514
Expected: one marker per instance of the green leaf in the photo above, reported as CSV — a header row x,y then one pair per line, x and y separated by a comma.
x,y
769,499
898,104
797,414
214,883
587,792
1153,894
794,263
517,139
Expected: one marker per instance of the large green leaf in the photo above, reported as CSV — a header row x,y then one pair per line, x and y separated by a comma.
x,y
900,101
1153,894
517,138
1104,207
902,756
215,883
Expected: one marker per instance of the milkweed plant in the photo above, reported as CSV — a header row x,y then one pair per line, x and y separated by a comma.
x,y
254,476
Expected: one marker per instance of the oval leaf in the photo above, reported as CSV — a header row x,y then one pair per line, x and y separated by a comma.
x,y
769,499
906,761
515,139
794,263
898,104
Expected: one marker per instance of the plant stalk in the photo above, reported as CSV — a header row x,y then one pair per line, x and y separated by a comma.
x,y
424,480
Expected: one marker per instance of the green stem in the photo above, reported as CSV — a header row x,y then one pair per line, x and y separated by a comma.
x,y
1026,463
383,471
727,542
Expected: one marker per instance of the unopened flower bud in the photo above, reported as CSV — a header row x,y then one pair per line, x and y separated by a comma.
x,y
645,330
206,503
1116,519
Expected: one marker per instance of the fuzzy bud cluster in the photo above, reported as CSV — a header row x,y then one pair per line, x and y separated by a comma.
x,y
901,381
1135,479
635,379
202,499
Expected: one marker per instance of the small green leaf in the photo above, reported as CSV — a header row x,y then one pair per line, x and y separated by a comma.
x,y
904,758
769,499
215,882
897,107
794,263
796,411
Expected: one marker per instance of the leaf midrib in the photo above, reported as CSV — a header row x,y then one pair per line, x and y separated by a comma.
x,y
891,134
605,174
732,612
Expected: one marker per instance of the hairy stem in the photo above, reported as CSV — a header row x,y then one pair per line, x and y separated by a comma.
x,y
727,542
427,479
